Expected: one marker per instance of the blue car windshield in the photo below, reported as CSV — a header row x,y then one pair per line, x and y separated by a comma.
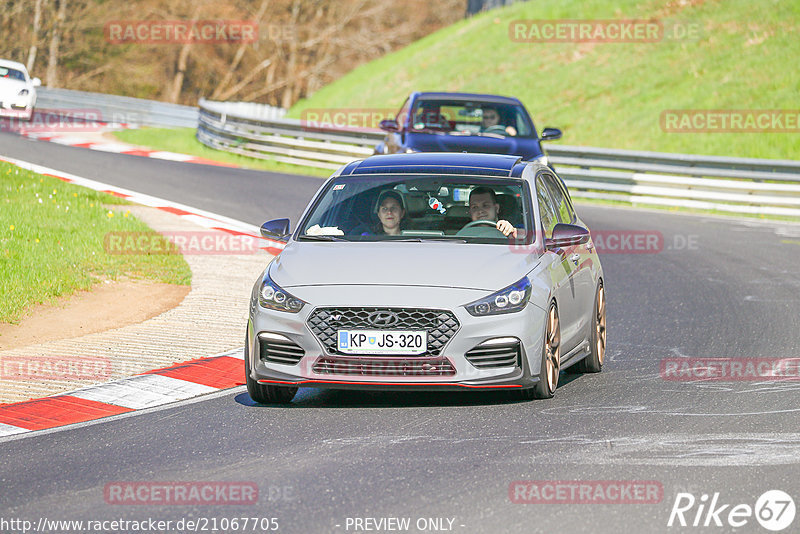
x,y
459,117
412,208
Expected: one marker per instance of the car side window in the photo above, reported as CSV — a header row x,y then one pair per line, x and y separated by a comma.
x,y
562,204
546,209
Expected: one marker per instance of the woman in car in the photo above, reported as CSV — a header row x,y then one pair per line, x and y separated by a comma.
x,y
391,211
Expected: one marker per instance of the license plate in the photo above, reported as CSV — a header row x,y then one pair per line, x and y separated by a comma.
x,y
383,341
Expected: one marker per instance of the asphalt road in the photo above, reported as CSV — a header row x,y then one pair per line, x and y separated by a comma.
x,y
718,288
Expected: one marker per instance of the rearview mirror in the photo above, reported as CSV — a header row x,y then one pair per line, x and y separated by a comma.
x,y
276,228
388,125
550,134
36,82
567,235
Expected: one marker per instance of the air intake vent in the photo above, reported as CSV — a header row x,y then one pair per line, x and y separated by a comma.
x,y
275,348
384,367
498,352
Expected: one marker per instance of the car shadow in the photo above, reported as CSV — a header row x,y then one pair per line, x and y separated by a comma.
x,y
349,398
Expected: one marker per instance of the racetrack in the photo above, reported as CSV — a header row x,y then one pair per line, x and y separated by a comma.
x,y
719,288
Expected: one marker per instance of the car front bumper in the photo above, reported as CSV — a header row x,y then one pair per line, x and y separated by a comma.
x,y
315,363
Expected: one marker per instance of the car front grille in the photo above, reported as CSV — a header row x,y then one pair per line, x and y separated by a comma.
x,y
275,348
383,366
440,325
498,352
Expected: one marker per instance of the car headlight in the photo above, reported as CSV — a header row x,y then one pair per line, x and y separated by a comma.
x,y
273,297
24,92
508,300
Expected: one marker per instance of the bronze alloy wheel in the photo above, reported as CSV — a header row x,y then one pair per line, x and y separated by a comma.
x,y
551,357
593,362
600,325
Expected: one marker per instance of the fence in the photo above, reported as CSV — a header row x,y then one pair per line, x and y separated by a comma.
x,y
119,109
737,185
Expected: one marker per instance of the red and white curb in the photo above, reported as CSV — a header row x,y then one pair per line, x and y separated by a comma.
x,y
203,218
154,388
71,139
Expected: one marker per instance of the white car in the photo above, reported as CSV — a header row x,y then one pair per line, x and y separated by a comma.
x,y
17,90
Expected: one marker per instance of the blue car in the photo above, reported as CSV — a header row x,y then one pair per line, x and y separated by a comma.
x,y
464,122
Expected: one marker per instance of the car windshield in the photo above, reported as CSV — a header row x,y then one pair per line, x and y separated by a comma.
x,y
7,72
459,117
462,209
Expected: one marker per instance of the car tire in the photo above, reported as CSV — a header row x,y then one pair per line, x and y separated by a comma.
x,y
550,367
263,393
593,363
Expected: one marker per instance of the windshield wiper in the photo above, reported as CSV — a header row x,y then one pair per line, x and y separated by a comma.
x,y
427,239
314,237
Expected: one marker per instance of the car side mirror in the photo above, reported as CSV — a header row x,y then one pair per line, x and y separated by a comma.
x,y
389,125
36,82
276,228
567,235
550,134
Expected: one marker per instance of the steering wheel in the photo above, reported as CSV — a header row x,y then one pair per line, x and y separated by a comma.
x,y
496,129
482,222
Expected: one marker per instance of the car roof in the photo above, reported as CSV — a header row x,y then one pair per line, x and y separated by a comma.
x,y
468,96
12,65
438,163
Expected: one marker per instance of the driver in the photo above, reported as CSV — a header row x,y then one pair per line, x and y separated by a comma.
x,y
483,206
490,117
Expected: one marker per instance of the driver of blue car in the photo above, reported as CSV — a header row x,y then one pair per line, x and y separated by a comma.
x,y
490,117
483,206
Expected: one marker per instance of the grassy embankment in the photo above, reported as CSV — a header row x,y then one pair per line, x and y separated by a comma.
x,y
52,242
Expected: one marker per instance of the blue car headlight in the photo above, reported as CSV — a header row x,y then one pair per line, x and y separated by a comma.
x,y
273,297
24,92
508,300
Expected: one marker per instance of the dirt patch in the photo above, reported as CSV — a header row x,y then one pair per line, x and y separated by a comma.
x,y
107,306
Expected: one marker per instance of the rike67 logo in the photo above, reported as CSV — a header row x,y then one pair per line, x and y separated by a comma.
x,y
774,510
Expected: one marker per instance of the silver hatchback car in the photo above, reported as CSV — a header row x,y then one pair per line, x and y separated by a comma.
x,y
431,271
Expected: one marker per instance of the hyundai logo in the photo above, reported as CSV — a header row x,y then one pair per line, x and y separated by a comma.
x,y
383,318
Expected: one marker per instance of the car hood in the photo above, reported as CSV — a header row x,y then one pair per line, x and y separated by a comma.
x,y
431,264
517,146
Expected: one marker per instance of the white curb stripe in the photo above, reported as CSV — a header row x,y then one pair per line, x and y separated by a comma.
x,y
143,391
10,430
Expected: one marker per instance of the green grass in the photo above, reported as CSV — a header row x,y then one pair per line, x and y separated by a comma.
x,y
52,242
183,141
606,94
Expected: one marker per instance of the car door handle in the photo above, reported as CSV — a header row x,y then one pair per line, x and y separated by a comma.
x,y
575,258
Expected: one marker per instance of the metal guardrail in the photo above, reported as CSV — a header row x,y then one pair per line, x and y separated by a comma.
x,y
119,109
736,185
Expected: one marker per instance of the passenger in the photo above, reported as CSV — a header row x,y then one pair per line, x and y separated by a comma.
x,y
483,206
391,211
